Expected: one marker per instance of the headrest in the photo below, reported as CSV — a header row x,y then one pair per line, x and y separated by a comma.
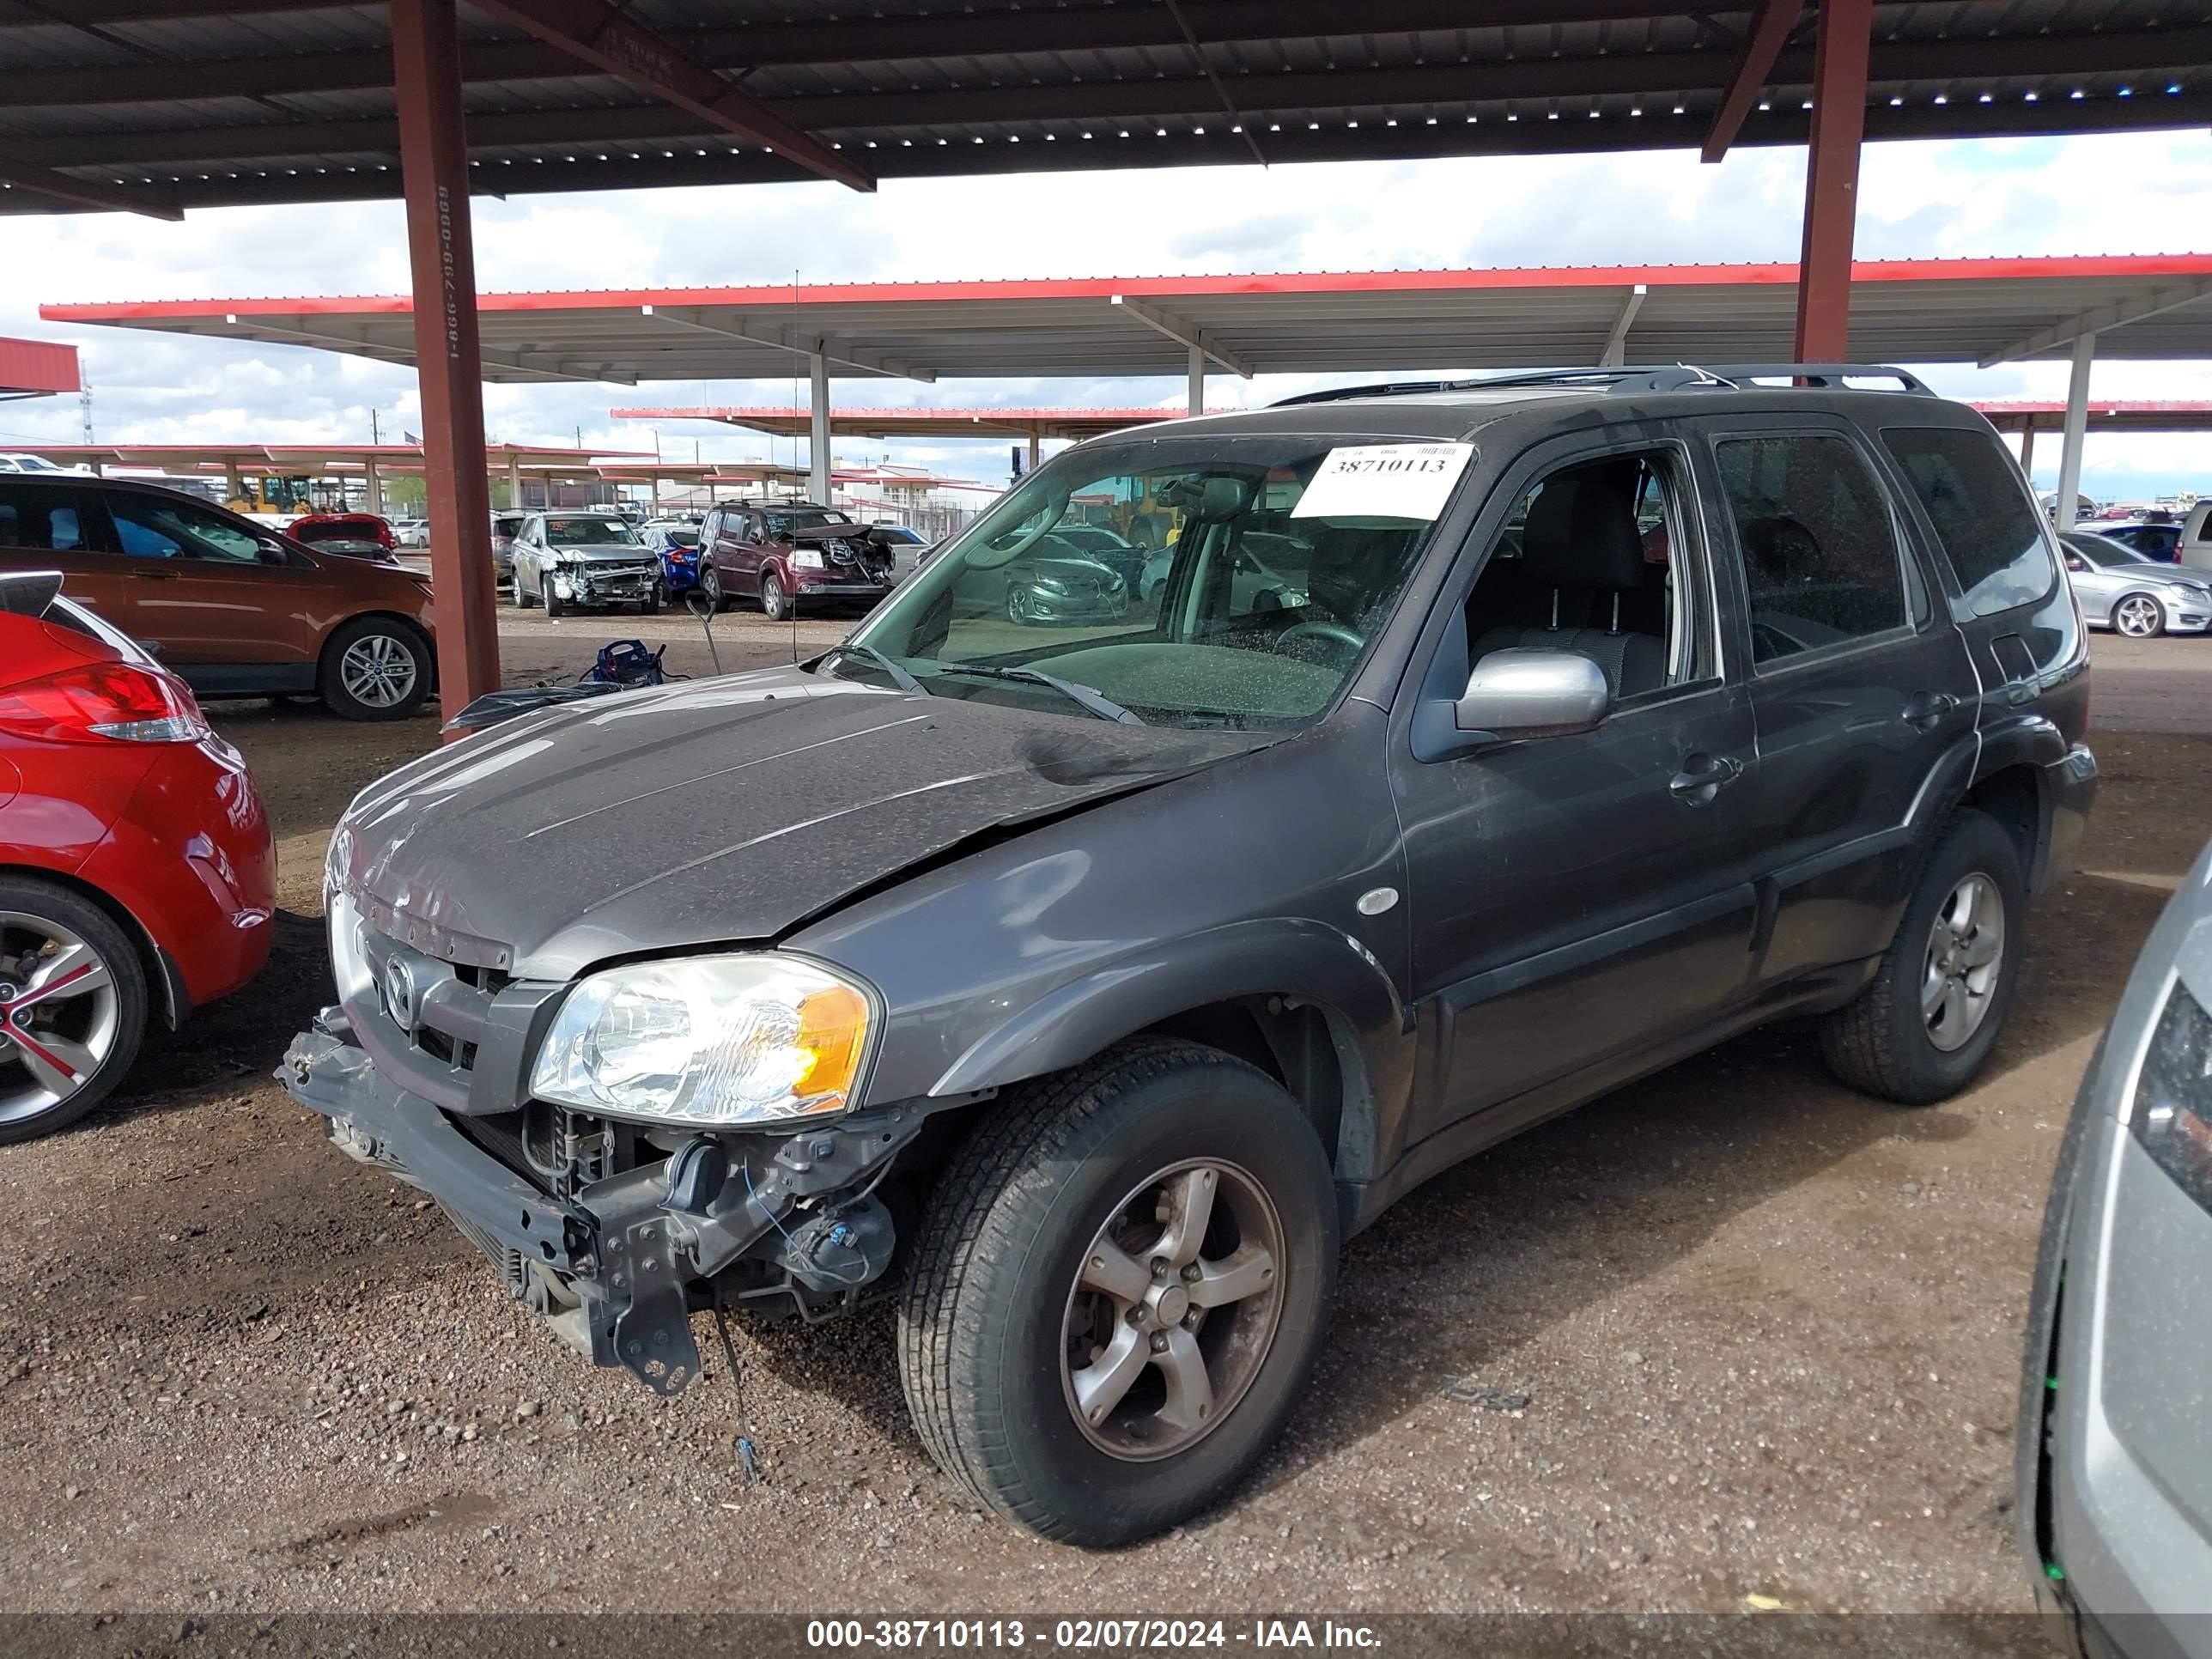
x,y
1582,529
1215,498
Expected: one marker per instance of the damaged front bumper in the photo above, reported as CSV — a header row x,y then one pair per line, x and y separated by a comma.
x,y
616,1266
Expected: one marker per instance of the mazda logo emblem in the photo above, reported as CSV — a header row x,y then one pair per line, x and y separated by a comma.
x,y
399,995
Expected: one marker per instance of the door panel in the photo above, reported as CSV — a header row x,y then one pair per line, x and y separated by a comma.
x,y
1861,689
1570,903
204,590
1579,900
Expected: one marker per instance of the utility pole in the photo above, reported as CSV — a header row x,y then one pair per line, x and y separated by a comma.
x,y
375,433
84,404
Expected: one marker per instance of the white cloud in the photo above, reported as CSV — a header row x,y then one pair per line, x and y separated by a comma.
x,y
2125,194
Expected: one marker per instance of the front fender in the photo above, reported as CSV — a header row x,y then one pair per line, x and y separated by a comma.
x,y
1305,961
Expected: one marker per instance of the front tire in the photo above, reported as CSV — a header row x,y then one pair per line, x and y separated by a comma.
x,y
74,1007
2139,615
556,606
775,605
375,668
1119,1292
1921,1029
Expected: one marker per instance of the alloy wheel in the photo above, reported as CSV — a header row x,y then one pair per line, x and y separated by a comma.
x,y
2137,616
1965,954
59,1014
1173,1310
377,670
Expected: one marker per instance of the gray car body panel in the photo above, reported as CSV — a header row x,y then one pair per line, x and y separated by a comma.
x,y
2115,1468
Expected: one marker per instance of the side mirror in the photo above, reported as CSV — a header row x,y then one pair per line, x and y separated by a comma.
x,y
2075,561
1533,692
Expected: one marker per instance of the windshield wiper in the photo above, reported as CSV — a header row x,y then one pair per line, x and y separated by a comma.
x,y
1092,702
867,654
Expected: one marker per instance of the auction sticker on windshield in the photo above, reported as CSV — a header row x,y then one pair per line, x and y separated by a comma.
x,y
1384,481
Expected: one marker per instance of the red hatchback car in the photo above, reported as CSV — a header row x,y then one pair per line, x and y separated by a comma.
x,y
138,879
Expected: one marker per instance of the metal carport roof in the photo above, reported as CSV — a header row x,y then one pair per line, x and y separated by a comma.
x,y
163,104
1986,311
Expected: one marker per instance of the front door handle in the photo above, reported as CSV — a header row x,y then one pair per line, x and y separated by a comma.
x,y
1926,712
155,573
1704,777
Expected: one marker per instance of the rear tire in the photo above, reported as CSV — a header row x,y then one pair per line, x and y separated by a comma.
x,y
374,668
1008,1339
101,1033
775,605
1893,1040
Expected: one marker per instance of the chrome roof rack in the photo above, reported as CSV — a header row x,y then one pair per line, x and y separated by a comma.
x,y
1630,382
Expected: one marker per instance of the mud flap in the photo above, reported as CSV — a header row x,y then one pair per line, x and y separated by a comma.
x,y
647,1327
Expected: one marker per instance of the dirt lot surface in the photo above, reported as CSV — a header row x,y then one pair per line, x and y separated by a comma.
x,y
1766,1331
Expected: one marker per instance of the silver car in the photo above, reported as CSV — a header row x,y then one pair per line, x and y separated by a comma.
x,y
2122,590
2115,1459
584,559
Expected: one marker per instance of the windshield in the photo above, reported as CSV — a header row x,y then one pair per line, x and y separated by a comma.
x,y
2098,550
588,533
780,524
1262,570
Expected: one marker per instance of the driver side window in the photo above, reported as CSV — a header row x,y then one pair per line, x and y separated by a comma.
x,y
1598,559
155,529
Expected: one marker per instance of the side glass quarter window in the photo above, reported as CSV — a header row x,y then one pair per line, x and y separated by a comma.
x,y
1822,564
1978,505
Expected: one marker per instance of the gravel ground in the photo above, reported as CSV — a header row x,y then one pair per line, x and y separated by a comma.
x,y
1730,1333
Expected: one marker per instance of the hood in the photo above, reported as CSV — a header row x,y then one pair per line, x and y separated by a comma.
x,y
2161,573
824,533
625,552
715,811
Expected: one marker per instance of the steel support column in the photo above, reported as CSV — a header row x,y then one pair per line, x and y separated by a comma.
x,y
818,428
233,482
2027,452
1036,443
449,369
514,483
1831,181
372,483
2066,509
1197,381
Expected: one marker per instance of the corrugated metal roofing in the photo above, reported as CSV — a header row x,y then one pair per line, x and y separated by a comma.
x,y
292,101
1381,322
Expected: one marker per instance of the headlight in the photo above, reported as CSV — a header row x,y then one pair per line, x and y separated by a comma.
x,y
707,1040
1049,584
807,558
2172,1112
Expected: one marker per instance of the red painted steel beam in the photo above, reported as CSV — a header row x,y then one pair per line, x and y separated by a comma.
x,y
590,31
449,366
1831,181
1754,62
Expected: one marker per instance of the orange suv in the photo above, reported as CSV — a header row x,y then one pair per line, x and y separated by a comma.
x,y
236,609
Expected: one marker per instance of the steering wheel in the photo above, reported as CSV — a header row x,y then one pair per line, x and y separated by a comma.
x,y
1345,639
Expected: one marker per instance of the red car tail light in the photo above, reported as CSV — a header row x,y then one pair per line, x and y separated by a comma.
x,y
96,701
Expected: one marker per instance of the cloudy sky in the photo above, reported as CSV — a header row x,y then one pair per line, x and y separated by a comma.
x,y
2135,193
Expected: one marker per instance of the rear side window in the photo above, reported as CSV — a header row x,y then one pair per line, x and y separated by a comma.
x,y
1819,548
1975,498
42,519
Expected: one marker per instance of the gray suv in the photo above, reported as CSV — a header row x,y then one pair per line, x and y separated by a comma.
x,y
1083,988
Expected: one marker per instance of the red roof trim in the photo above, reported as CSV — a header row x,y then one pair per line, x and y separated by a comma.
x,y
2126,266
40,367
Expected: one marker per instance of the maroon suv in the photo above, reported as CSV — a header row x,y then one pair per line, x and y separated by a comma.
x,y
782,552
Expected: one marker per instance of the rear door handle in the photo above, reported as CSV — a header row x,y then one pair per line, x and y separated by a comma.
x,y
1927,710
1704,777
